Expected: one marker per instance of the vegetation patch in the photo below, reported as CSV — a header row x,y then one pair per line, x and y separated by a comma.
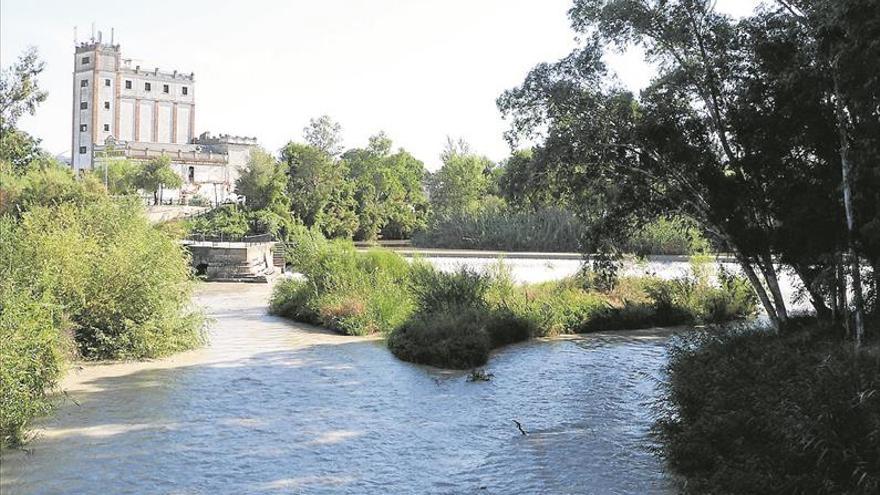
x,y
455,319
758,412
84,275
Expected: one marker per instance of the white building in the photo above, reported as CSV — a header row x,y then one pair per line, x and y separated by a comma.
x,y
126,111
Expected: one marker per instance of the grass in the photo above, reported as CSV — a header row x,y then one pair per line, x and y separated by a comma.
x,y
455,319
757,412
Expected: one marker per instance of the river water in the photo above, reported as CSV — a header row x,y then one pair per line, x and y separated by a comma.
x,y
272,406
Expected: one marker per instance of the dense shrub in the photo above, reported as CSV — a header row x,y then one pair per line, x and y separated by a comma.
x,y
549,230
350,292
234,221
125,286
419,306
31,358
755,412
435,290
81,274
453,337
504,229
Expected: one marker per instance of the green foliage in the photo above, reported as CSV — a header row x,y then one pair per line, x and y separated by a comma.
x,y
350,292
226,220
19,148
124,285
81,273
461,183
32,354
324,134
666,236
263,183
122,175
547,230
157,174
320,191
19,95
755,412
45,184
454,337
388,188
421,308
436,291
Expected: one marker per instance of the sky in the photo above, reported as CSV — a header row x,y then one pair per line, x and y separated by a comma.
x,y
420,70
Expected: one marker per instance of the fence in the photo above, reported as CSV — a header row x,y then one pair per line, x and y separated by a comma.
x,y
247,239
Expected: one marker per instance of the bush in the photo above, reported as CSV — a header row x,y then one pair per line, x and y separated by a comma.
x,y
550,230
124,285
454,337
350,292
291,298
87,274
755,412
32,357
505,327
500,228
378,291
434,290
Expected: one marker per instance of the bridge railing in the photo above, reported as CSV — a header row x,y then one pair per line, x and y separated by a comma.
x,y
247,239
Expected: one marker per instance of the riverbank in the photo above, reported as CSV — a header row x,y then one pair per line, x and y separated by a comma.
x,y
411,252
272,406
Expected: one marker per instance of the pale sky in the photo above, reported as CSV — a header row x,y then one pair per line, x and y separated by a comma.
x,y
418,69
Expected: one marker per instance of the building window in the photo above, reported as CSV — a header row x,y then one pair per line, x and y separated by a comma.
x,y
84,83
127,84
82,150
106,127
184,90
106,105
148,86
107,82
83,128
165,88
86,60
191,174
83,105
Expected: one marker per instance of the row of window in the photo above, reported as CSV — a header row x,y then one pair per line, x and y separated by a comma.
x,y
84,105
85,127
184,90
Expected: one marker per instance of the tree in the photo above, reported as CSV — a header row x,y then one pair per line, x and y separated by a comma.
x,y
388,189
716,137
841,40
156,175
263,183
462,181
324,134
20,94
121,175
320,192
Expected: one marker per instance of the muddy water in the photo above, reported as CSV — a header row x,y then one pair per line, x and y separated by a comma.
x,y
276,407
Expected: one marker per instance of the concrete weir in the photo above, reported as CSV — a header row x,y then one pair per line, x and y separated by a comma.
x,y
233,261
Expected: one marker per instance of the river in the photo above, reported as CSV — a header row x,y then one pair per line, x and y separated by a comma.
x,y
272,406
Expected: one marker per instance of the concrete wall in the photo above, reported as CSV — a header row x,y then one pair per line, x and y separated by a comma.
x,y
233,261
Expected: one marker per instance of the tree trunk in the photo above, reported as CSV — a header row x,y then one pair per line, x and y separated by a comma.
x,y
816,298
841,293
766,266
759,290
846,169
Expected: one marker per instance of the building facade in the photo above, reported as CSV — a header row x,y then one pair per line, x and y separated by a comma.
x,y
122,110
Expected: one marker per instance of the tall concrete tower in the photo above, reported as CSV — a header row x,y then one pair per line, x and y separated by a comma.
x,y
113,99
